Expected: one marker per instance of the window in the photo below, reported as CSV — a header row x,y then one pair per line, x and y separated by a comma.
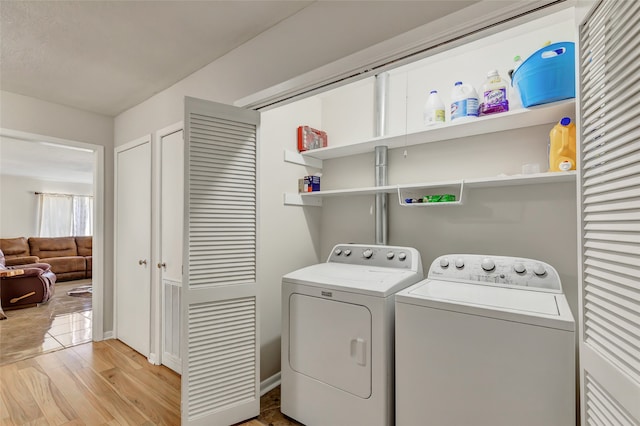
x,y
62,215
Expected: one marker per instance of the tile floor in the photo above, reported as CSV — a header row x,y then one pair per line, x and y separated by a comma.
x,y
270,414
62,322
71,329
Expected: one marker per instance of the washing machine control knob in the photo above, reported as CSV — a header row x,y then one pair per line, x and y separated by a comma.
x,y
347,252
338,252
444,263
390,255
539,270
459,263
402,255
367,253
488,264
519,268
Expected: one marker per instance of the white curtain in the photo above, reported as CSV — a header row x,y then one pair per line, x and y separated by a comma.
x,y
64,215
82,216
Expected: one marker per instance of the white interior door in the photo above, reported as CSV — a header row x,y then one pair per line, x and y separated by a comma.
x,y
133,244
609,61
220,356
171,224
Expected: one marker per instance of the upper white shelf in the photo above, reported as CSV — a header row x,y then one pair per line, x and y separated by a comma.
x,y
516,119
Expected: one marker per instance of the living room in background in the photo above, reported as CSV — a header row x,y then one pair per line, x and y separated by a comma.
x,y
61,215
19,212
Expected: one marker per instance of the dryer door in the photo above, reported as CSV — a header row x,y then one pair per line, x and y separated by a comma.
x,y
330,341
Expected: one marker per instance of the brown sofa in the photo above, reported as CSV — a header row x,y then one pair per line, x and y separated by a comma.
x,y
34,285
85,249
16,251
70,257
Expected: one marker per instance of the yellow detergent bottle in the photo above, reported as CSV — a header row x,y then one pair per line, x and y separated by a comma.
x,y
562,146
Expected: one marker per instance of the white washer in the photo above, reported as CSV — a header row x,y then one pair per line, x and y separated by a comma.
x,y
337,335
485,341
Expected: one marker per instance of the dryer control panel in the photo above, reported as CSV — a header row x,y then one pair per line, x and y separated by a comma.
x,y
503,271
372,255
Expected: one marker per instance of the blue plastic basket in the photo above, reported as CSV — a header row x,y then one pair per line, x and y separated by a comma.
x,y
548,75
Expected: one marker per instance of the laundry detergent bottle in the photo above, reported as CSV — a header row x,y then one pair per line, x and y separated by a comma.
x,y
494,94
562,146
434,109
464,101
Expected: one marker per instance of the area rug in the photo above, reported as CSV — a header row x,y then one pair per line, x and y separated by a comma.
x,y
82,291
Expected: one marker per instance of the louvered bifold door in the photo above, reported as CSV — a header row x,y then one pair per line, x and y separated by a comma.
x,y
219,307
609,74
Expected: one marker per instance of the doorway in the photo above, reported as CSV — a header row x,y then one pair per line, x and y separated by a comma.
x,y
67,148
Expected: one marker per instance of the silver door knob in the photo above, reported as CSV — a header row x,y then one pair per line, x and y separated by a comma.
x,y
162,265
142,262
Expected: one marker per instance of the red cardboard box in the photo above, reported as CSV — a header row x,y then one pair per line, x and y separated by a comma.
x,y
310,138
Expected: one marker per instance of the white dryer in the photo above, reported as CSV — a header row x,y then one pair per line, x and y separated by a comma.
x,y
485,341
337,335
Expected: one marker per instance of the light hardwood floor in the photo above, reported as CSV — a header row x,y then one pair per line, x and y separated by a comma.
x,y
95,383
100,383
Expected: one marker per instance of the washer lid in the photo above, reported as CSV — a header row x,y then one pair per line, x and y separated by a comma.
x,y
545,309
375,281
495,297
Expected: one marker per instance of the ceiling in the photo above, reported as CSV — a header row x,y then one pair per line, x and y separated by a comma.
x,y
45,161
108,56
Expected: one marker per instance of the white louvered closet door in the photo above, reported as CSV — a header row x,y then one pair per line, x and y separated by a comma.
x,y
610,206
220,360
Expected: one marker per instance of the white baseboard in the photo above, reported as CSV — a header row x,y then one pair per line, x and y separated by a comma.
x,y
173,362
153,359
270,383
107,335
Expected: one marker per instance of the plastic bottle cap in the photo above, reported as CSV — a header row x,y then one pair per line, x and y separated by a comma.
x,y
492,73
458,83
565,121
516,58
434,91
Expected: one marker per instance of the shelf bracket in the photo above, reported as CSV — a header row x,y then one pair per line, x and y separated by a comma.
x,y
297,158
299,200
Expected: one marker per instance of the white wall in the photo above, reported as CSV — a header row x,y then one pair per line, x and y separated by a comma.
x,y
347,112
19,204
289,237
25,114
